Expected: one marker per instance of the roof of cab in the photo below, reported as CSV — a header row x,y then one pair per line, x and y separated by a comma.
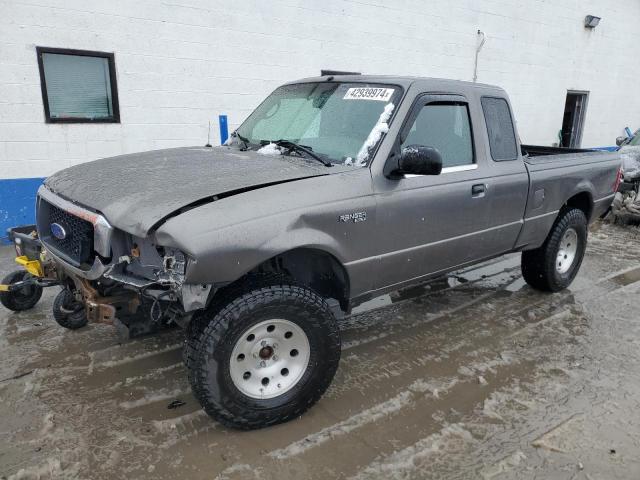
x,y
404,81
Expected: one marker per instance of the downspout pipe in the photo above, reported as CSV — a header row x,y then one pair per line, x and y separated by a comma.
x,y
480,45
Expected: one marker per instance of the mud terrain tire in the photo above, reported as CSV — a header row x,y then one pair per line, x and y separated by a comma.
x,y
543,267
213,350
201,318
22,299
68,312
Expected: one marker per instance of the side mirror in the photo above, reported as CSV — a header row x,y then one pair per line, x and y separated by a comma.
x,y
419,160
621,140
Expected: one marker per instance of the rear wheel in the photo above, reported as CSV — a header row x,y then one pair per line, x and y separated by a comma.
x,y
22,298
69,312
553,266
266,357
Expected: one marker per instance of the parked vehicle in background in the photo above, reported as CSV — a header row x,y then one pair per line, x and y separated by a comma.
x,y
334,190
626,204
626,139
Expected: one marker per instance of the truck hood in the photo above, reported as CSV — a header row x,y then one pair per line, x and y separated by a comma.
x,y
137,192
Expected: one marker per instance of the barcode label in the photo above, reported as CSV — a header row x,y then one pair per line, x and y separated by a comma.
x,y
368,93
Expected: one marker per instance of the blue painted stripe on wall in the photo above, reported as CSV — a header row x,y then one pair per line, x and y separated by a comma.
x,y
17,203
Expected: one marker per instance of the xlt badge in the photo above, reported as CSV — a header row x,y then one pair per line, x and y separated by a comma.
x,y
354,217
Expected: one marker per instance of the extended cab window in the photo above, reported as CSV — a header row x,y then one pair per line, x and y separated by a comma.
x,y
446,127
502,138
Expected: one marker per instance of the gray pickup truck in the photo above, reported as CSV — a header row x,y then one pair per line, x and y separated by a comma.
x,y
334,190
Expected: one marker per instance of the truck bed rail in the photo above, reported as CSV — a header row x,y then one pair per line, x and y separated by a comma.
x,y
540,150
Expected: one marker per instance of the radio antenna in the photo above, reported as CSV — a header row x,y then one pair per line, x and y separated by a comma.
x,y
209,135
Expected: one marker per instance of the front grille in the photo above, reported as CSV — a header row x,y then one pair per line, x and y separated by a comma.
x,y
77,244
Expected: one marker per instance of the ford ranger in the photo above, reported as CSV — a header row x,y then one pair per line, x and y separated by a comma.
x,y
335,190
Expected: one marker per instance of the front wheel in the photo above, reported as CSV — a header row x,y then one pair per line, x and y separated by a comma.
x,y
553,266
22,298
266,357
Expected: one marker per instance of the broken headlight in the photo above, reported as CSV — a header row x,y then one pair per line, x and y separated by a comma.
x,y
174,266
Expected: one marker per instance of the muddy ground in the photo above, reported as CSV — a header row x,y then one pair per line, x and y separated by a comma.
x,y
472,376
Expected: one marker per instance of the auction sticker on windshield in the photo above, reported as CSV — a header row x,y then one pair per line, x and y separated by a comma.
x,y
369,93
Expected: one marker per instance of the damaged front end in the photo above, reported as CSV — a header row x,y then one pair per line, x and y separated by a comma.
x,y
158,273
119,278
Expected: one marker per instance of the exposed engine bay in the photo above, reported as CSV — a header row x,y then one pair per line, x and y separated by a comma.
x,y
116,276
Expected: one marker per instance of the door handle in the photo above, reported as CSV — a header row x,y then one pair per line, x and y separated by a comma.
x,y
478,190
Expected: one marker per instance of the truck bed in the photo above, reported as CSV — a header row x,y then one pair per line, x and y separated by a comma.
x,y
556,174
543,158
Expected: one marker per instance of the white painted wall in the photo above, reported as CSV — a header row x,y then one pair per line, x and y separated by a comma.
x,y
181,63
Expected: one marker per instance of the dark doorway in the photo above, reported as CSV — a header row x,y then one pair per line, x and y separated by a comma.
x,y
575,109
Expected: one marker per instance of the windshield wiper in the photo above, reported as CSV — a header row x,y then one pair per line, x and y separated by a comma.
x,y
299,148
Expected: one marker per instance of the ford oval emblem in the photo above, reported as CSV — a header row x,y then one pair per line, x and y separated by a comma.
x,y
58,231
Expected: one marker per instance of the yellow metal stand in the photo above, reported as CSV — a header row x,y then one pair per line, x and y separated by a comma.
x,y
34,267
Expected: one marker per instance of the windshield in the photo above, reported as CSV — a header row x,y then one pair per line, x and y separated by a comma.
x,y
635,141
340,121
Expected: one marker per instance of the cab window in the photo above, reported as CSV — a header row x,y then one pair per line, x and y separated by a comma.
x,y
446,127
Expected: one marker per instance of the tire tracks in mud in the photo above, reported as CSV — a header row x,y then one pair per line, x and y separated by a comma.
x,y
144,364
398,416
403,371
156,371
455,339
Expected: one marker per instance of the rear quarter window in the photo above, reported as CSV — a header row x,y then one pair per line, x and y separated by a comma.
x,y
502,138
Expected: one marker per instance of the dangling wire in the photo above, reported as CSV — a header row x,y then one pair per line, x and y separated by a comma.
x,y
156,313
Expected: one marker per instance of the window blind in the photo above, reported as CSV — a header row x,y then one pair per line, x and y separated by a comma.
x,y
77,86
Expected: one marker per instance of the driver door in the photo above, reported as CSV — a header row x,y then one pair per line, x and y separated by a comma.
x,y
431,223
